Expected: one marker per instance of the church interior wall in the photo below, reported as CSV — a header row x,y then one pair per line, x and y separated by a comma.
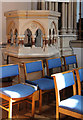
x,y
63,42
8,6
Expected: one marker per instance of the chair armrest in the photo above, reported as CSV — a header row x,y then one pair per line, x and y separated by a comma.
x,y
48,77
31,83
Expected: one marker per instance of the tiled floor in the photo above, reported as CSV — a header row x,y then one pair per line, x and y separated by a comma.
x,y
48,109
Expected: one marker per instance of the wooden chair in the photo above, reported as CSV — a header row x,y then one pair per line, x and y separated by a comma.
x,y
70,60
79,75
44,84
52,63
70,106
16,93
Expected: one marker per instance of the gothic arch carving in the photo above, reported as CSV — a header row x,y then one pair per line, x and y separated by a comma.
x,y
33,26
11,26
53,26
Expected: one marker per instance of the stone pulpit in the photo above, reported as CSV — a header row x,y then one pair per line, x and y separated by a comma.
x,y
31,34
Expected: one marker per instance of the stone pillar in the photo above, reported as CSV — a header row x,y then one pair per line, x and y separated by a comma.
x,y
75,15
49,5
52,6
56,6
72,15
38,5
42,4
46,5
63,19
33,40
66,15
69,17
33,5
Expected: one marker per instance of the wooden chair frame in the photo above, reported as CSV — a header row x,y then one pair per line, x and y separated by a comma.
x,y
78,80
62,110
40,91
11,101
64,58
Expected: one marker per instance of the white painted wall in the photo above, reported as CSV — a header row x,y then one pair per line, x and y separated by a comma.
x,y
8,6
79,53
0,21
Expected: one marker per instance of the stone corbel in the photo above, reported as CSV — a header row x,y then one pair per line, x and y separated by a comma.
x,y
21,40
33,40
14,39
46,41
54,39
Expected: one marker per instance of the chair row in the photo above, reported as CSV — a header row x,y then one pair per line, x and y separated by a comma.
x,y
21,91
71,106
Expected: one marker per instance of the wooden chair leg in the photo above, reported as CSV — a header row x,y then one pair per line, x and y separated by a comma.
x,y
33,106
10,109
40,100
57,113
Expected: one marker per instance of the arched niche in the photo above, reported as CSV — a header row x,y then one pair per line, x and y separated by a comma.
x,y
33,26
49,42
38,39
28,38
16,35
53,28
11,36
54,32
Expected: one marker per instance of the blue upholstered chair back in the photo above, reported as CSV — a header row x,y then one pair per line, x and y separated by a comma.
x,y
70,59
81,74
34,66
54,63
9,70
64,80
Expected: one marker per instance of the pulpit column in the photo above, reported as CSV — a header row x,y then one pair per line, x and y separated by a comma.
x,y
21,40
46,40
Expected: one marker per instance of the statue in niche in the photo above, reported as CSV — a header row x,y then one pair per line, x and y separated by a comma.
x,y
38,39
11,37
16,35
49,36
28,39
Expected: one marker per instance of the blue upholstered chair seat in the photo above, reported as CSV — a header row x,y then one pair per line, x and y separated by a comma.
x,y
17,91
44,83
74,103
